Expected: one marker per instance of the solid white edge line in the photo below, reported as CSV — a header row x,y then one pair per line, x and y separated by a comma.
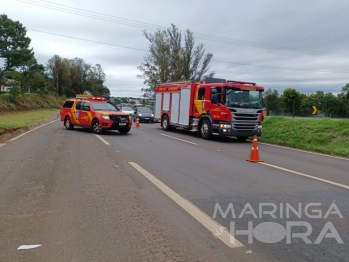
x,y
304,151
215,228
179,139
305,175
103,140
2,145
13,139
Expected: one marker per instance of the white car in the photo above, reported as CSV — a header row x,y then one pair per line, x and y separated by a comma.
x,y
128,110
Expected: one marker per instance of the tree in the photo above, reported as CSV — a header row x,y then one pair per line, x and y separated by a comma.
x,y
14,45
272,100
57,69
291,100
168,61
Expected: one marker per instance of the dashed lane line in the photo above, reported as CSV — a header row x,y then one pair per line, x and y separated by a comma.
x,y
215,228
103,140
305,175
179,139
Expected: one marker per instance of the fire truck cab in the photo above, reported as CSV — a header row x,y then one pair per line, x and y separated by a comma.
x,y
213,106
94,112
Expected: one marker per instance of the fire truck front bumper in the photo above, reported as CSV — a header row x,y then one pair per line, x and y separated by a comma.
x,y
225,129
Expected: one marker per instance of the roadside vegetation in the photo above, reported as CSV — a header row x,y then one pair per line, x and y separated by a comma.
x,y
329,136
24,102
13,121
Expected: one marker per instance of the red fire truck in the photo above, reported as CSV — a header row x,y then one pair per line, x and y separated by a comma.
x,y
213,106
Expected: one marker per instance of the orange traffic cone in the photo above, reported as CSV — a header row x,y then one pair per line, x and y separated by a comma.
x,y
137,123
254,157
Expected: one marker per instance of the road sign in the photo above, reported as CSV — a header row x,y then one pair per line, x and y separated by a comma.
x,y
315,110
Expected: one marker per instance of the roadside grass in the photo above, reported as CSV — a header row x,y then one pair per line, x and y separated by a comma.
x,y
321,135
12,121
29,101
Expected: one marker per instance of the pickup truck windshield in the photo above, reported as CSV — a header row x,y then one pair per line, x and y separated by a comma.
x,y
243,99
103,106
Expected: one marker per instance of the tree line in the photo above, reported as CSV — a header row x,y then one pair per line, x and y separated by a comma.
x,y
20,71
295,103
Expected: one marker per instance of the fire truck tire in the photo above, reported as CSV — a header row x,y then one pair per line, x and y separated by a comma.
x,y
242,138
165,123
67,123
205,129
96,128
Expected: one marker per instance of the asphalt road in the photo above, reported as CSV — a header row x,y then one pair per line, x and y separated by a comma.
x,y
118,197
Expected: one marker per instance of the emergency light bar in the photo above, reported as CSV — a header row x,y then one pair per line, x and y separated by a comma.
x,y
240,82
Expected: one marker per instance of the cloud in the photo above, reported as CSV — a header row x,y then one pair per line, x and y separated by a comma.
x,y
262,40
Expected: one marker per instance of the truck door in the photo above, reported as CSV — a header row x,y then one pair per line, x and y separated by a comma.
x,y
84,114
76,112
199,102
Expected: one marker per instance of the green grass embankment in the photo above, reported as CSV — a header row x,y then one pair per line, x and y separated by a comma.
x,y
17,111
24,102
319,135
13,121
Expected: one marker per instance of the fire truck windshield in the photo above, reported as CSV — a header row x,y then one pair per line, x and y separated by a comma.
x,y
103,106
243,98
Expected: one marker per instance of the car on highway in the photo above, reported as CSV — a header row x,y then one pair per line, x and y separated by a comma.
x,y
128,110
143,114
95,113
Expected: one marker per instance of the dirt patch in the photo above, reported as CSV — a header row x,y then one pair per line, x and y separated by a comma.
x,y
9,133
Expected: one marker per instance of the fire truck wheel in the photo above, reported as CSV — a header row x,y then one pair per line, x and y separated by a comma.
x,y
165,125
205,129
96,128
68,125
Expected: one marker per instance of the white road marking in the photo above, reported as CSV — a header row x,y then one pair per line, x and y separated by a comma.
x,y
194,211
2,145
305,175
304,151
103,140
13,139
23,247
178,139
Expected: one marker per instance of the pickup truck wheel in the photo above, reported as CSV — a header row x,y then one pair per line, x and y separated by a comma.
x,y
205,129
96,128
124,131
165,124
68,125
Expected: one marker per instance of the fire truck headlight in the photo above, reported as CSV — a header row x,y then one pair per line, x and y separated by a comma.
x,y
106,117
260,127
140,114
152,115
224,126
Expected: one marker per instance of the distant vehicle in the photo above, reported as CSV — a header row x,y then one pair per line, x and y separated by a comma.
x,y
94,112
128,110
143,114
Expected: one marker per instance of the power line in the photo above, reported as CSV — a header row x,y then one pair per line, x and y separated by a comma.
x,y
148,26
87,40
139,49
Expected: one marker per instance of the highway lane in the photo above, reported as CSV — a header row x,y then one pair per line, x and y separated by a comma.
x,y
88,173
206,176
72,194
325,167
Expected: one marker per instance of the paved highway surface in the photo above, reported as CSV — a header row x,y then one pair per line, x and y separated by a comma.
x,y
152,195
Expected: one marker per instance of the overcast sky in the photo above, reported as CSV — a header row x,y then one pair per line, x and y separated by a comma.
x,y
302,44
